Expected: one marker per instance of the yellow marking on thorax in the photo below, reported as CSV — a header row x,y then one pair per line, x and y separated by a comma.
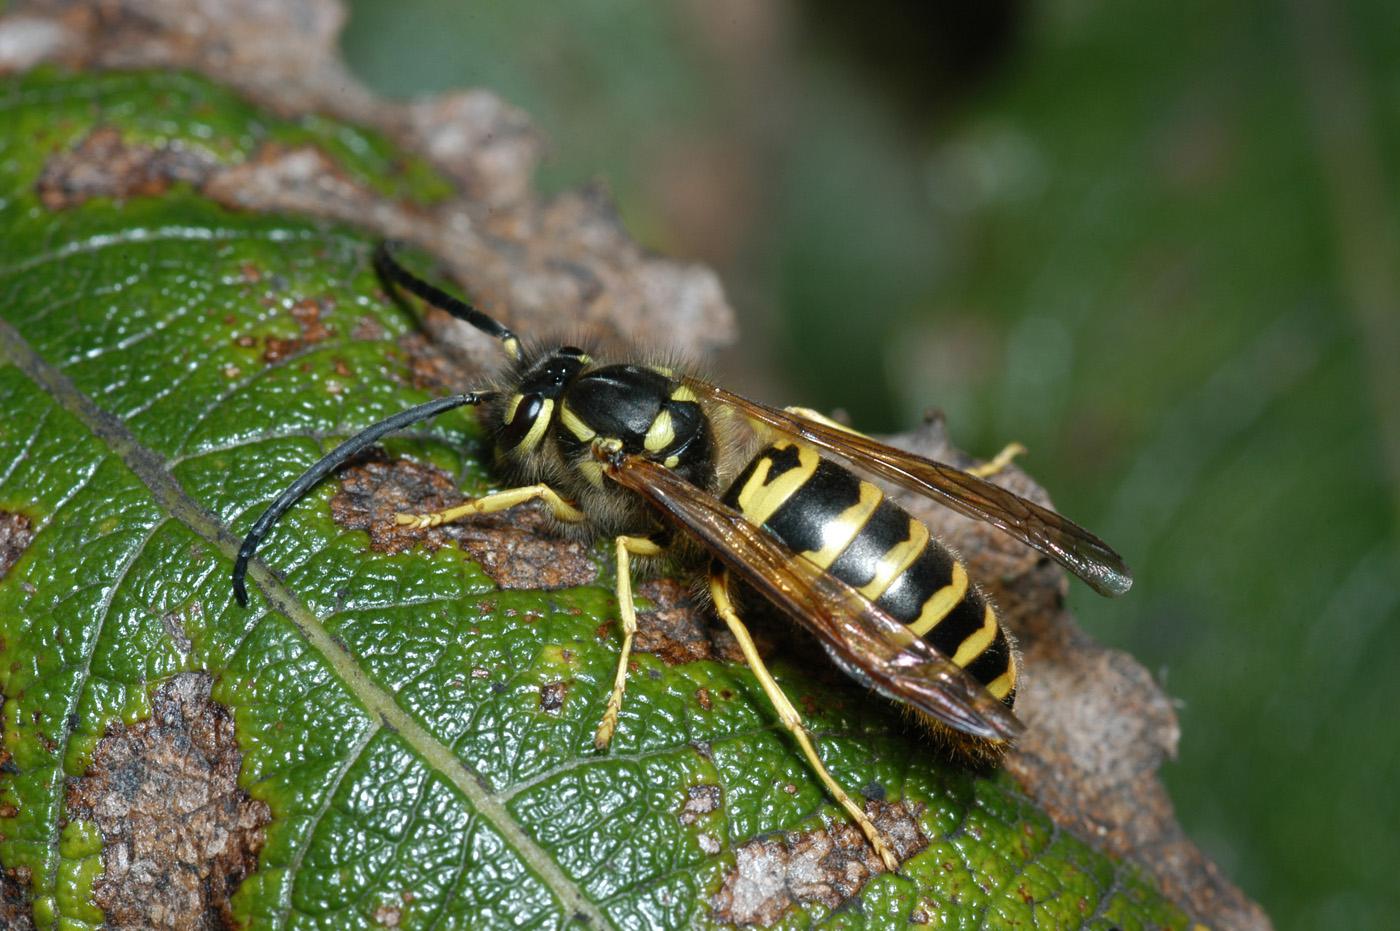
x,y
976,642
938,605
661,433
839,532
683,393
574,425
532,439
758,499
898,558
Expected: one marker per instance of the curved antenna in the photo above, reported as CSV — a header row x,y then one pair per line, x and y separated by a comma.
x,y
390,269
328,463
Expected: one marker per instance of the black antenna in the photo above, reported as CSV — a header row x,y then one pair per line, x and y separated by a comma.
x,y
328,463
390,269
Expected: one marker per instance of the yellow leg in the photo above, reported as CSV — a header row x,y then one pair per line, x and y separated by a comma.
x,y
719,591
819,417
998,462
627,547
493,503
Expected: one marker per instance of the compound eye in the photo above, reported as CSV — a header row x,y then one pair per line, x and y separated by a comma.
x,y
520,418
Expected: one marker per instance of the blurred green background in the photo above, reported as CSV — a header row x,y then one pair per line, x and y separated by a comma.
x,y
1154,241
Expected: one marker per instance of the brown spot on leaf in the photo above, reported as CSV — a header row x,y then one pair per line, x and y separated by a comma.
x,y
276,348
16,910
552,696
372,493
298,179
16,533
102,164
674,628
702,696
174,624
368,329
388,916
307,314
773,876
701,799
429,367
178,833
514,547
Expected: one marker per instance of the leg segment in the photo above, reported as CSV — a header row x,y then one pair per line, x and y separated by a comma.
x,y
998,462
719,591
627,547
490,504
821,418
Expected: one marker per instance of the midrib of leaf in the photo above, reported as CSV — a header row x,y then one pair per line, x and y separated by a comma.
x,y
151,470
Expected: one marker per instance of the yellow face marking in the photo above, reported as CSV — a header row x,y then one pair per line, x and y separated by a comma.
x,y
938,605
972,647
838,533
899,557
683,393
537,429
574,425
758,499
513,407
661,433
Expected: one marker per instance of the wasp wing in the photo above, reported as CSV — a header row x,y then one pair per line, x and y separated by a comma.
x,y
1061,539
864,640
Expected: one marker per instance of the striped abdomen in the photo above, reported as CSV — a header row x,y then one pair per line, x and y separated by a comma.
x,y
846,526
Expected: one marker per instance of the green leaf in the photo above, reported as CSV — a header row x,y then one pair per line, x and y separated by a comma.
x,y
413,741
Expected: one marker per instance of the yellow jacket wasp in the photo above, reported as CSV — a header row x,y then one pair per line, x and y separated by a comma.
x,y
635,452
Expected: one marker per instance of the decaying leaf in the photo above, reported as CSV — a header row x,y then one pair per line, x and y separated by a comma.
x,y
178,834
193,321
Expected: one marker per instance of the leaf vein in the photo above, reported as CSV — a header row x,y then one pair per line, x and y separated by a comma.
x,y
151,470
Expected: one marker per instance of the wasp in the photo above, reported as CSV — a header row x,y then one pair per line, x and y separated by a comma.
x,y
646,456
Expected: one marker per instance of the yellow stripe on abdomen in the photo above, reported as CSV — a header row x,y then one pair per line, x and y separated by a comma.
x,y
941,602
761,496
976,644
837,534
897,559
